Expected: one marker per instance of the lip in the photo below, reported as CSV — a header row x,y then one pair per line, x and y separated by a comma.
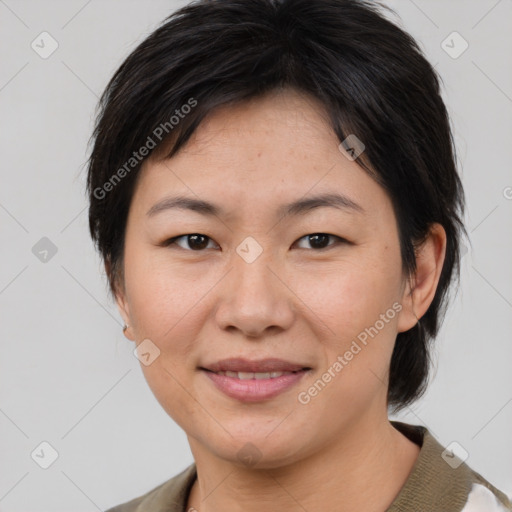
x,y
254,390
239,364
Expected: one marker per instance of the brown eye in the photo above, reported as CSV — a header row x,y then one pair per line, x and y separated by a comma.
x,y
320,240
195,241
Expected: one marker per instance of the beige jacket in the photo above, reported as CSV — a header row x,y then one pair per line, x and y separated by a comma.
x,y
439,482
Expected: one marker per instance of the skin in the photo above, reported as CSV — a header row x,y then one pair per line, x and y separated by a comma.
x,y
295,302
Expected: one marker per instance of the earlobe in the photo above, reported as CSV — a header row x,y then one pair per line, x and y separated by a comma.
x,y
125,313
407,318
123,307
422,286
122,303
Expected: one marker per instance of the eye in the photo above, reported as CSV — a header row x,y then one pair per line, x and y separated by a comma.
x,y
196,241
320,240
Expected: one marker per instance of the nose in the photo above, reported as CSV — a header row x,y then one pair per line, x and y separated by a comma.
x,y
255,299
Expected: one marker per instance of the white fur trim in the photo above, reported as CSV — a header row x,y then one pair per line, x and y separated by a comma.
x,y
481,499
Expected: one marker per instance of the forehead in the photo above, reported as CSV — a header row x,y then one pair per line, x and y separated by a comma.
x,y
288,113
274,149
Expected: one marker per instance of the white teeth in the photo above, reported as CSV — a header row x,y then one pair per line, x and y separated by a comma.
x,y
253,375
245,375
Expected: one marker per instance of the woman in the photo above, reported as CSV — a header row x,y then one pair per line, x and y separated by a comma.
x,y
274,193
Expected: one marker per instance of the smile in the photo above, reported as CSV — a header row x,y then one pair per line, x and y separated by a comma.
x,y
253,375
254,386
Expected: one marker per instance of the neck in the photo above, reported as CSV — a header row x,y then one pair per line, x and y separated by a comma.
x,y
364,470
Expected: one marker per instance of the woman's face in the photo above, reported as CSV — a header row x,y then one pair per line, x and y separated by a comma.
x,y
255,286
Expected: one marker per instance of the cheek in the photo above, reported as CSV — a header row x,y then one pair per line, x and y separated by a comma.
x,y
169,385
166,308
349,296
355,301
165,298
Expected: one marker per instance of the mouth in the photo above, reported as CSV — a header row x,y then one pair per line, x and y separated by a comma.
x,y
253,381
262,366
254,375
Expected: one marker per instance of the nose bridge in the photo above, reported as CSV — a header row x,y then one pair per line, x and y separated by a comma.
x,y
256,299
253,273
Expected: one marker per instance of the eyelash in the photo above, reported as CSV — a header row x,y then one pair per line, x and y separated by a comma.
x,y
172,241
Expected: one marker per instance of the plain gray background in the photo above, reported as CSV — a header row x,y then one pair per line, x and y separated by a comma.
x,y
69,377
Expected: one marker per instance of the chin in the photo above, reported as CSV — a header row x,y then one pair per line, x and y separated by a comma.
x,y
258,450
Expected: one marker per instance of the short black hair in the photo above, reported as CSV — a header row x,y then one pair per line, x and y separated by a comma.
x,y
370,75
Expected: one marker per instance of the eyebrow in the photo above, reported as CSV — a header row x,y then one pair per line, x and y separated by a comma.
x,y
298,207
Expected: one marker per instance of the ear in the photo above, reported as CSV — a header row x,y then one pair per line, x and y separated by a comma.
x,y
122,303
421,288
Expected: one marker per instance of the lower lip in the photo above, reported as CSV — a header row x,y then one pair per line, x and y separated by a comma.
x,y
254,390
